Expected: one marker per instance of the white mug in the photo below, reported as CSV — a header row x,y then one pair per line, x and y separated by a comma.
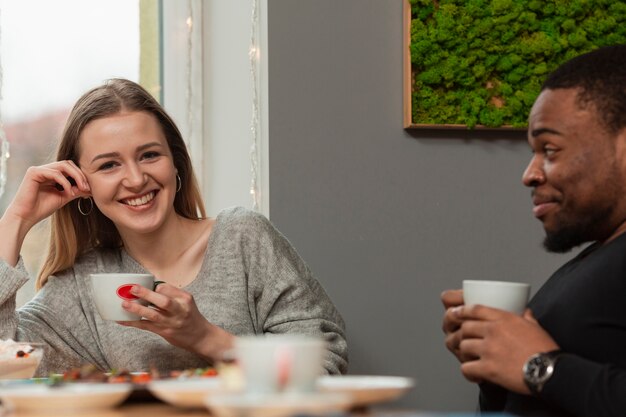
x,y
111,289
279,363
509,296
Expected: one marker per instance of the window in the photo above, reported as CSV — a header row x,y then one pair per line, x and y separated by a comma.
x,y
51,53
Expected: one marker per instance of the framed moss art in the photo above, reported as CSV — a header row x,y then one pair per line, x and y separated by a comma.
x,y
480,63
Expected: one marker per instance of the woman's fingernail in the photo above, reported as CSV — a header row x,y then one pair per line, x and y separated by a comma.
x,y
125,304
134,290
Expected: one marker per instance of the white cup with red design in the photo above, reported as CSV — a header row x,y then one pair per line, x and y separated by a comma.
x,y
110,290
273,364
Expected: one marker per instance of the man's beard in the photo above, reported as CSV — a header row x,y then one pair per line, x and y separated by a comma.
x,y
586,227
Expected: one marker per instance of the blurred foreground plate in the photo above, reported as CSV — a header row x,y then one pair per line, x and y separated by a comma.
x,y
365,389
277,405
185,393
66,398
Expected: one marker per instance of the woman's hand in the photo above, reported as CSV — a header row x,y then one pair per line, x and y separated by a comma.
x,y
45,189
174,316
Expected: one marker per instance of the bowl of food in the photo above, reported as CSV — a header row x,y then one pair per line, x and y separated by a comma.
x,y
19,360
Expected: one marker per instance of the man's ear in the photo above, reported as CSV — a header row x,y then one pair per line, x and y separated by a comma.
x,y
620,148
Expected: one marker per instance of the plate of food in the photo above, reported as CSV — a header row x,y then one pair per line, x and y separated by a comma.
x,y
184,388
66,398
190,388
185,393
365,389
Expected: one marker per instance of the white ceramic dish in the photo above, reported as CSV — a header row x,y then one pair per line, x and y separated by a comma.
x,y
22,367
365,390
185,393
277,405
68,398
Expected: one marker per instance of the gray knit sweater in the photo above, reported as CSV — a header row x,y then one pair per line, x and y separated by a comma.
x,y
252,281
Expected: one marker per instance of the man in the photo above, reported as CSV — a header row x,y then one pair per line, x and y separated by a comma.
x,y
566,356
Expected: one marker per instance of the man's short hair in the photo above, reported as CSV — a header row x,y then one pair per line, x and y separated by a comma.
x,y
601,77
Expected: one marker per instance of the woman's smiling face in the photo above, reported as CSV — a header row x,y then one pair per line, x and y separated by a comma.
x,y
130,170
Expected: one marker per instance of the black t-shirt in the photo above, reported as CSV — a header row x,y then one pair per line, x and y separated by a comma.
x,y
583,307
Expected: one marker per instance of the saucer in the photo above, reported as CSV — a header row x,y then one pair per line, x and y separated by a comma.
x,y
277,405
366,389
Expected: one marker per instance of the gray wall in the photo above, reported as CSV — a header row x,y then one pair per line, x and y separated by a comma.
x,y
388,218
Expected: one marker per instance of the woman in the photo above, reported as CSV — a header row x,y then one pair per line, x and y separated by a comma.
x,y
122,197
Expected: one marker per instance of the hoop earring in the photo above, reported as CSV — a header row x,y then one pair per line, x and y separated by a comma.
x,y
179,183
80,208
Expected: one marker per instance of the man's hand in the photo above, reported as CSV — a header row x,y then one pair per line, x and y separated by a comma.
x,y
495,344
452,300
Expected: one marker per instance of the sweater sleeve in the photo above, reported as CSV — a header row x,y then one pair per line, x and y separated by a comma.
x,y
11,280
586,388
492,398
288,299
55,316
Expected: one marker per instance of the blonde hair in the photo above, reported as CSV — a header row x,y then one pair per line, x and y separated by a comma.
x,y
71,233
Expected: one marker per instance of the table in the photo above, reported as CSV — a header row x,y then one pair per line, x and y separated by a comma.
x,y
125,410
158,409
142,403
135,409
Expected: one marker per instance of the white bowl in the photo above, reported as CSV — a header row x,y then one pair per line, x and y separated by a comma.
x,y
14,366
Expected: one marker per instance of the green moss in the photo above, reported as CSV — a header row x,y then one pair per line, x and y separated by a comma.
x,y
482,62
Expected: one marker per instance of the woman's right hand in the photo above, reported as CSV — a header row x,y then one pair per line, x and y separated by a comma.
x,y
174,315
45,189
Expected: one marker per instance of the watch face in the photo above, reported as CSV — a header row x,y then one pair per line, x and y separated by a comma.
x,y
538,368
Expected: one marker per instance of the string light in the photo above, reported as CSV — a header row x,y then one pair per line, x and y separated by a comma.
x,y
253,55
4,143
190,51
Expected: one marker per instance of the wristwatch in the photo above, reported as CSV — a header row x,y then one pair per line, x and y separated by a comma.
x,y
539,368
